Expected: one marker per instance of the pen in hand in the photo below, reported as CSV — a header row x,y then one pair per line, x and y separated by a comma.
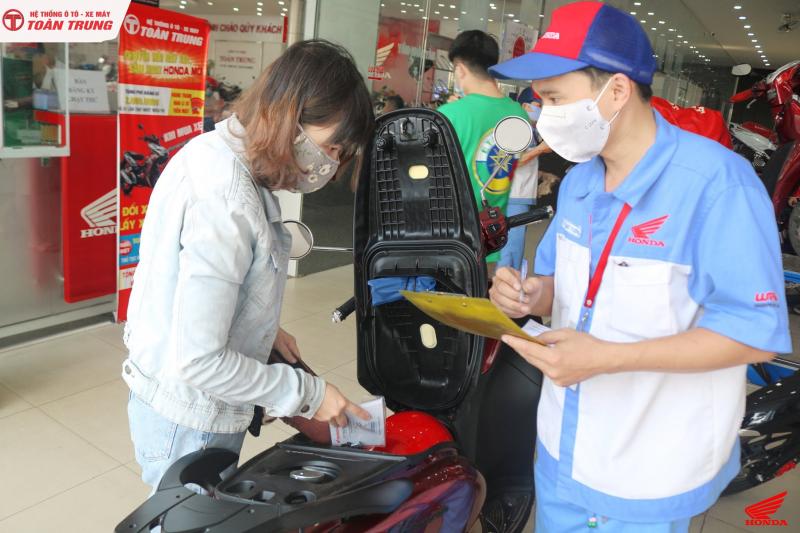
x,y
523,274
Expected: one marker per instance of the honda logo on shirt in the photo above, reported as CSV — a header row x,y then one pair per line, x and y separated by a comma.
x,y
101,216
761,513
643,232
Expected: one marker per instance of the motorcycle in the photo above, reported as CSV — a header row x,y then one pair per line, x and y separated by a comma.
x,y
770,434
750,141
460,444
781,173
136,169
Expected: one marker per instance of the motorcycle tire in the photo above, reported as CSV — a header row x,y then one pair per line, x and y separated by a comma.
x,y
793,229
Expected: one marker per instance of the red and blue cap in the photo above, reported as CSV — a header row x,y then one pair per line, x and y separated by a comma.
x,y
585,34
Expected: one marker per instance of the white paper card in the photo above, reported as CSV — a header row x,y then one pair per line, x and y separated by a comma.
x,y
534,329
359,432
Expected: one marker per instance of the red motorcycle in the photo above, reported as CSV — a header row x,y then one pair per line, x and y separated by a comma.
x,y
782,172
460,446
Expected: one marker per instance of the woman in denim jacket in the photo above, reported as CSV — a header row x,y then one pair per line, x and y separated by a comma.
x,y
205,308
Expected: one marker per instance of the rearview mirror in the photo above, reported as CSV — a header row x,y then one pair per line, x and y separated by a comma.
x,y
302,239
741,70
513,134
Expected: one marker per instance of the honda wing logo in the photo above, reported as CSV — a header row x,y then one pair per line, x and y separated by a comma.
x,y
642,233
101,216
761,513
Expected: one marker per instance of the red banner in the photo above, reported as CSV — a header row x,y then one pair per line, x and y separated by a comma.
x,y
89,208
162,76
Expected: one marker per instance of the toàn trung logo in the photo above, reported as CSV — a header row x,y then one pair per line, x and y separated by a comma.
x,y
13,19
761,513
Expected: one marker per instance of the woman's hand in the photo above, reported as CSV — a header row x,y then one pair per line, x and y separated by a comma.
x,y
335,405
286,345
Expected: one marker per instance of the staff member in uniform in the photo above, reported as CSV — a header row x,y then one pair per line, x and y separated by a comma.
x,y
662,274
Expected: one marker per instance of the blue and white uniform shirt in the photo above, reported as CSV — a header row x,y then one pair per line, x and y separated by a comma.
x,y
698,249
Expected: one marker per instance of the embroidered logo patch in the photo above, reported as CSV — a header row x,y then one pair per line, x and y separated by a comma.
x,y
642,233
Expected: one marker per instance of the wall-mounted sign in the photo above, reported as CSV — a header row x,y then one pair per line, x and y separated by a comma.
x,y
243,28
87,91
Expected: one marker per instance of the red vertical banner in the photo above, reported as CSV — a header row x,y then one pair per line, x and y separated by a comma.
x,y
162,76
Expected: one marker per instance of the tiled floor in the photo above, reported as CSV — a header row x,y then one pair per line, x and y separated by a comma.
x,y
66,461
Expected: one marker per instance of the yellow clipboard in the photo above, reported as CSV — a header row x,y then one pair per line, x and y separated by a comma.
x,y
478,316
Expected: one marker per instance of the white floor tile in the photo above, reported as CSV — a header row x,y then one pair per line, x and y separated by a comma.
x,y
95,506
100,416
112,334
40,458
67,365
11,403
714,525
270,434
730,509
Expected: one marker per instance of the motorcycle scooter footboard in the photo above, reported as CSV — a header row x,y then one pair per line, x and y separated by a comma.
x,y
415,215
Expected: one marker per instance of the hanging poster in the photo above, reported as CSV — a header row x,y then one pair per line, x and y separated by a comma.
x,y
162,75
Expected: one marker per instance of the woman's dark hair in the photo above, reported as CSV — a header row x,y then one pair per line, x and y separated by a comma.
x,y
313,83
477,50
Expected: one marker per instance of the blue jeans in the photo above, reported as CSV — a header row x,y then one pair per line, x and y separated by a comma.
x,y
554,515
159,443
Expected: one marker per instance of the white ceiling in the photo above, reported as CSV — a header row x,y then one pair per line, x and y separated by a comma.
x,y
711,26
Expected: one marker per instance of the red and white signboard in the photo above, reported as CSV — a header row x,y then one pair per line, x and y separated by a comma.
x,y
244,28
55,21
162,76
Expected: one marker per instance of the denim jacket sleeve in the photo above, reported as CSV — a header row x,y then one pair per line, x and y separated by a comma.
x,y
217,244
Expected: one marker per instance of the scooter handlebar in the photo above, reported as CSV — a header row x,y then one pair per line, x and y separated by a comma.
x,y
534,215
344,310
742,96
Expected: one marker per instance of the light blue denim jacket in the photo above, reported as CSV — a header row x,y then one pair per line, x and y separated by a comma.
x,y
207,293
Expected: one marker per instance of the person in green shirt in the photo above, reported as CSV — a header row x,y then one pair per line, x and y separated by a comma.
x,y
475,115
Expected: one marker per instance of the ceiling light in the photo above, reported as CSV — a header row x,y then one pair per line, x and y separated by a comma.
x,y
737,7
491,20
653,29
685,42
455,18
421,10
750,34
494,7
680,36
663,35
747,26
541,16
441,5
742,18
402,11
446,17
463,12
211,3
651,13
670,41
766,64
435,12
516,20
637,3
643,21
182,6
236,9
183,1
260,14
753,40
281,2
416,5
511,15
452,6
259,3
672,29
661,22
757,46
633,12
402,3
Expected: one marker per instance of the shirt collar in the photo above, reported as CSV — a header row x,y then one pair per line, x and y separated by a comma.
x,y
643,176
232,132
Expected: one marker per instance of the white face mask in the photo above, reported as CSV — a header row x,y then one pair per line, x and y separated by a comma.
x,y
317,166
577,131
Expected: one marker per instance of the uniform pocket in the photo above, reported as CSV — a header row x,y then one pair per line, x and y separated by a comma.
x,y
153,435
640,302
571,282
